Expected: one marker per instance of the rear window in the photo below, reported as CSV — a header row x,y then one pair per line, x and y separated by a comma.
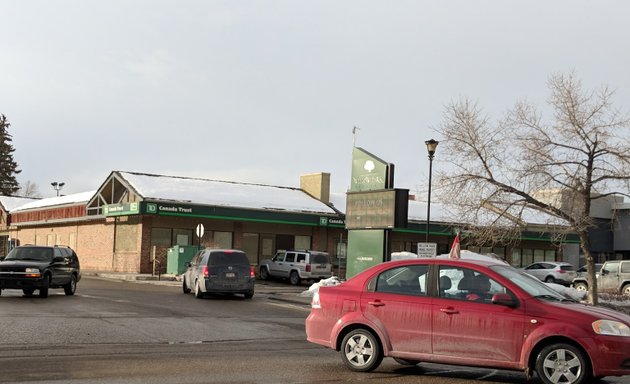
x,y
228,258
567,268
625,267
319,259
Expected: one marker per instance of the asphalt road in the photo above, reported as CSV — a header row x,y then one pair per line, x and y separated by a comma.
x,y
121,332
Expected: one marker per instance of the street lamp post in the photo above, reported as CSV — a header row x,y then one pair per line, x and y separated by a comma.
x,y
431,147
57,186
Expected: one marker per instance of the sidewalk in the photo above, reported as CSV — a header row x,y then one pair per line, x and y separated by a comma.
x,y
276,290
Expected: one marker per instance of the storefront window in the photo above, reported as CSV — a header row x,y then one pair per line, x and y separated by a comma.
x,y
302,242
250,247
516,257
539,255
161,236
550,255
182,237
528,257
223,239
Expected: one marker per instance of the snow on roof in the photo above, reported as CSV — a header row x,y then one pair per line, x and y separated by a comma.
x,y
76,198
224,193
10,202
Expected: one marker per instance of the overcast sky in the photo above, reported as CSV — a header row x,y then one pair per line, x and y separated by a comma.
x,y
264,91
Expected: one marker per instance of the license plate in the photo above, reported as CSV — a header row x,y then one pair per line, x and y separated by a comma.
x,y
230,275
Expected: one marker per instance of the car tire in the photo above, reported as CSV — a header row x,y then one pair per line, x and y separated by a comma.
x,y
294,278
550,279
185,288
264,273
563,363
582,287
625,290
43,291
28,291
249,295
361,350
70,288
198,292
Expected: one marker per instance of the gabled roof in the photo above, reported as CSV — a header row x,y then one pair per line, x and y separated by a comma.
x,y
73,199
222,193
9,203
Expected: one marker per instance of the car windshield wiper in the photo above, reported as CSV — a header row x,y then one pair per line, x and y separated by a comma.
x,y
568,300
549,297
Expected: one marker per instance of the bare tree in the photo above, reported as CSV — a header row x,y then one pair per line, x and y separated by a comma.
x,y
505,169
29,189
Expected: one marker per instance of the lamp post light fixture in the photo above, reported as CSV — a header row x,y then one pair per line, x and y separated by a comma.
x,y
57,186
431,147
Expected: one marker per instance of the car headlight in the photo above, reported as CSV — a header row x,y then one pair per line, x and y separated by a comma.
x,y
610,327
32,272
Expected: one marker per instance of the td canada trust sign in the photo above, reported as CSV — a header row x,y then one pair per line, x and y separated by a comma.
x,y
157,208
220,213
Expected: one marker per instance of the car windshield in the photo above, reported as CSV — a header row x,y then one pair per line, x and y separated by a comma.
x,y
528,283
31,253
227,258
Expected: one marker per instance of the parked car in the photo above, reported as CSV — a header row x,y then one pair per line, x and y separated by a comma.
x,y
613,276
297,265
552,272
481,313
219,271
583,270
35,267
581,279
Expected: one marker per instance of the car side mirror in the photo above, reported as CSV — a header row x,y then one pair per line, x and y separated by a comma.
x,y
605,272
187,264
58,259
504,299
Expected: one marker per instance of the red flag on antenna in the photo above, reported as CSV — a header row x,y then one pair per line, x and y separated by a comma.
x,y
454,254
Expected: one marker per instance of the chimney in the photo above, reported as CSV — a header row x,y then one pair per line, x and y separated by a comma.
x,y
317,185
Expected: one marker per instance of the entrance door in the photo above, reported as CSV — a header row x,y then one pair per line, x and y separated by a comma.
x,y
285,242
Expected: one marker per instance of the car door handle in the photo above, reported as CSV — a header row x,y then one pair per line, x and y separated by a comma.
x,y
376,303
449,310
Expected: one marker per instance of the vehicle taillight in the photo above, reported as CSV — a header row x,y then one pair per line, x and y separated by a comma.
x,y
205,271
315,302
252,271
562,271
308,267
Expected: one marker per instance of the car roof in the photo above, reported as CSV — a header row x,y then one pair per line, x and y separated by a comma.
x,y
225,250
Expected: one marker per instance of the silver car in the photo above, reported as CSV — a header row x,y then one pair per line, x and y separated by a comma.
x,y
219,271
297,265
552,272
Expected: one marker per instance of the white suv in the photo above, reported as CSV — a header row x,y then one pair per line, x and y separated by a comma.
x,y
297,265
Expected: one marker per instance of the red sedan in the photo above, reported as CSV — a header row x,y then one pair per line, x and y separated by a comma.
x,y
481,313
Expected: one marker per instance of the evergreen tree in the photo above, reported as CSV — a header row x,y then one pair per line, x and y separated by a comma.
x,y
8,166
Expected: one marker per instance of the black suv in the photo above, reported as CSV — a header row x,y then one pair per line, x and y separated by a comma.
x,y
32,267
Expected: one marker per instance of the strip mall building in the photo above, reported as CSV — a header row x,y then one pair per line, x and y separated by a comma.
x,y
133,216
